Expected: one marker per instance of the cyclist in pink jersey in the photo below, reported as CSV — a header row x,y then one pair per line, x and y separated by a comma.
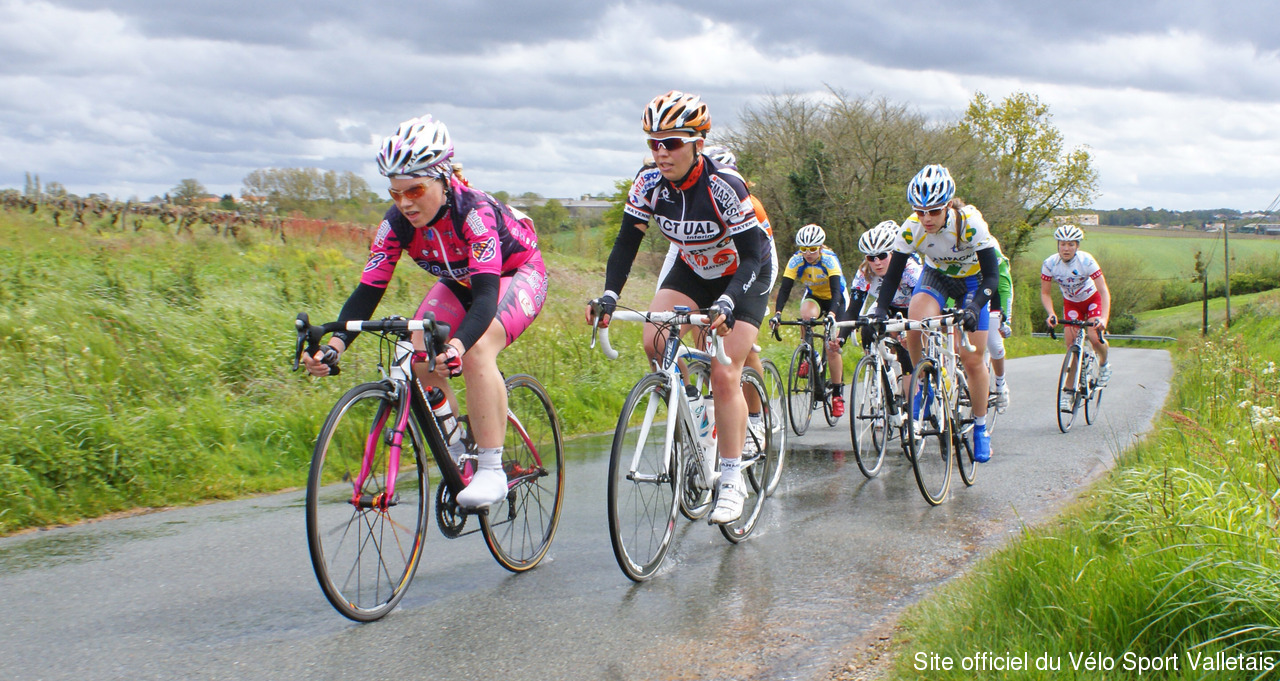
x,y
492,284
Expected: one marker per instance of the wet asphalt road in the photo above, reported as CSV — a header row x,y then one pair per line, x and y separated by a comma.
x,y
225,591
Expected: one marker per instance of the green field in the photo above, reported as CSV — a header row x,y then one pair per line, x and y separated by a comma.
x,y
1167,254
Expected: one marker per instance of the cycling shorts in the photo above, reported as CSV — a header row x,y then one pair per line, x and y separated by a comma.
x,y
941,288
1089,308
750,307
521,295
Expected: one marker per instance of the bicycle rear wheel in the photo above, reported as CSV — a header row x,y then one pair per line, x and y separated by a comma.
x,y
868,416
645,479
1089,386
776,421
518,530
929,432
800,395
365,546
757,470
1067,417
962,431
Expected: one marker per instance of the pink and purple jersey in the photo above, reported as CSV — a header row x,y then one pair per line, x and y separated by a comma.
x,y
477,235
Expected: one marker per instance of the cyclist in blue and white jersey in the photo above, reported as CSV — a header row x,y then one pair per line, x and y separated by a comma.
x,y
705,209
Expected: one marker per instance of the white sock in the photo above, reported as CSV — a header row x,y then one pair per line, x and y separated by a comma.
x,y
999,381
730,471
980,421
755,419
489,457
456,450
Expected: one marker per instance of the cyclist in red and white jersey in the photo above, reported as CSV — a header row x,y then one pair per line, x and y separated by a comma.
x,y
705,209
492,284
1084,295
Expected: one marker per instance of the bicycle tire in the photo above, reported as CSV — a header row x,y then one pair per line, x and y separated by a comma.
x,y
365,556
1066,418
642,505
800,391
1089,384
756,472
992,397
519,529
932,465
962,431
696,490
776,420
868,416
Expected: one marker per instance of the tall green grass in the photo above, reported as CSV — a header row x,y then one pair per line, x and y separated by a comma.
x,y
145,369
1177,552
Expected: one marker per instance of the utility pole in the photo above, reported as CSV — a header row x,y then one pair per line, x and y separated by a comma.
x,y
1226,268
1202,275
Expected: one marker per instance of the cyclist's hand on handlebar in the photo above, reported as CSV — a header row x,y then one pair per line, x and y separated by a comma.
x,y
449,362
1005,330
602,307
1051,321
323,362
721,313
774,321
970,319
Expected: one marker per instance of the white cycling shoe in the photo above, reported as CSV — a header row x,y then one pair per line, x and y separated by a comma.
x,y
488,487
1002,398
729,504
755,434
1064,402
1104,375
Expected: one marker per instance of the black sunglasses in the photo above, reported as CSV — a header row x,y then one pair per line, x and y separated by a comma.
x,y
877,256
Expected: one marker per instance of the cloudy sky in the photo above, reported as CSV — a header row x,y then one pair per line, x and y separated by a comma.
x,y
1178,101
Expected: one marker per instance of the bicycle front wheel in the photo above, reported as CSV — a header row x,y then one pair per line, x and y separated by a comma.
x,y
800,390
758,467
992,397
645,478
1089,388
1066,417
929,432
365,544
962,431
518,530
868,416
776,420
695,490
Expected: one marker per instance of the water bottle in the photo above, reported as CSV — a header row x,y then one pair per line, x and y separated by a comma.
x,y
444,415
707,431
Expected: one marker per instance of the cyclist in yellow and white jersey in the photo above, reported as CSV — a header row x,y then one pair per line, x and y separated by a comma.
x,y
959,263
818,269
1084,296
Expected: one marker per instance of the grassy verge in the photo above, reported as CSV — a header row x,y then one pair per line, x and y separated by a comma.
x,y
1173,558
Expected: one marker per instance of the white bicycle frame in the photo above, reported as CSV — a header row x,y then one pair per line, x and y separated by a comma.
x,y
674,389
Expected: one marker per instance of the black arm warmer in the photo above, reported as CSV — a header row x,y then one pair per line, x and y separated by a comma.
x,y
749,244
623,254
784,292
484,307
360,305
889,284
835,285
990,277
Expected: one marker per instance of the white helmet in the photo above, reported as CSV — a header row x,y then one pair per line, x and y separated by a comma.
x,y
722,155
931,187
1068,233
810,236
420,147
879,239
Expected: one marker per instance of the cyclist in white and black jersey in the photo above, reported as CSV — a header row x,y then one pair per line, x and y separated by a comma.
x,y
705,209
959,263
1084,296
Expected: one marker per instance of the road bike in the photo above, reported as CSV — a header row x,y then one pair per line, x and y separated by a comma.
x,y
1078,378
368,492
876,411
807,386
663,462
698,363
939,420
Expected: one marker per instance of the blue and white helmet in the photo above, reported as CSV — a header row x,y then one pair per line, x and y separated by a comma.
x,y
931,187
420,147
